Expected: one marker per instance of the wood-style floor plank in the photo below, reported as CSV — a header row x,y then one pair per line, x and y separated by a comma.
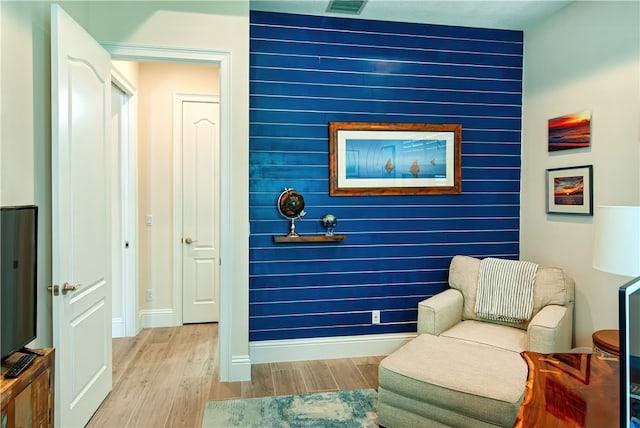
x,y
156,402
318,377
261,383
188,405
349,376
368,368
124,350
224,390
289,382
164,377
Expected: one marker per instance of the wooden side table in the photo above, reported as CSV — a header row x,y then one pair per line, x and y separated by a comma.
x,y
606,341
570,390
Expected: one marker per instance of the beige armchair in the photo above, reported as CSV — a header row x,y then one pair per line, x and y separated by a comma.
x,y
463,369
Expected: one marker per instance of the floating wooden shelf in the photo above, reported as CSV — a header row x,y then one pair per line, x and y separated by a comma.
x,y
308,238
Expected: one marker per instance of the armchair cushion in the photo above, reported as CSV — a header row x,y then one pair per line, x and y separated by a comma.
x,y
494,335
552,287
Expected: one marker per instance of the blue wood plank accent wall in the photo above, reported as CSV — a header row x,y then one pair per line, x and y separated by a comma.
x,y
307,71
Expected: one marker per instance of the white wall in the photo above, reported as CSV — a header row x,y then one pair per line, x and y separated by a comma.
x,y
25,137
16,149
129,70
585,57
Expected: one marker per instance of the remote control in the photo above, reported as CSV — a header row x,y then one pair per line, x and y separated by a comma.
x,y
20,365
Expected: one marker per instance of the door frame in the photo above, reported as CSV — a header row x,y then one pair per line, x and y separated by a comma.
x,y
178,247
128,173
222,59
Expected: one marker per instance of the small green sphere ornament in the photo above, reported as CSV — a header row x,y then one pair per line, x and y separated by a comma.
x,y
329,222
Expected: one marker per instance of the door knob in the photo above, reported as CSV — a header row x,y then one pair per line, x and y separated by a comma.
x,y
189,241
66,287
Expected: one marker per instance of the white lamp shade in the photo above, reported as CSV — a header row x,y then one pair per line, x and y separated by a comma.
x,y
616,247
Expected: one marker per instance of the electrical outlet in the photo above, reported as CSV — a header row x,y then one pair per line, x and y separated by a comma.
x,y
149,295
375,317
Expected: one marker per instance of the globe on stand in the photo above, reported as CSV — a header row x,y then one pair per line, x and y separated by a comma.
x,y
329,222
291,206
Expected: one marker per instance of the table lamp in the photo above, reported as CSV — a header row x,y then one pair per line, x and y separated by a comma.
x,y
616,246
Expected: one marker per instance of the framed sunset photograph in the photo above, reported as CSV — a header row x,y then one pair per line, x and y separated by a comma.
x,y
572,131
570,190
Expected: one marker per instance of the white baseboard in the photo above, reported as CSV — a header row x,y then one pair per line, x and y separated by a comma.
x,y
240,368
150,318
117,327
325,348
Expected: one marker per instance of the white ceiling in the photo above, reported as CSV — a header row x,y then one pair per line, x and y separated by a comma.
x,y
501,14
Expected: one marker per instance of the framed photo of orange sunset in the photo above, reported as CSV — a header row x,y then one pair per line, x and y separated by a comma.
x,y
570,190
572,131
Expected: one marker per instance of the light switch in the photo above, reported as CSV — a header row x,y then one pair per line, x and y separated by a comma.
x,y
149,220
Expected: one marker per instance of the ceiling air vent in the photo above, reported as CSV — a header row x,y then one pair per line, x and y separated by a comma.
x,y
353,7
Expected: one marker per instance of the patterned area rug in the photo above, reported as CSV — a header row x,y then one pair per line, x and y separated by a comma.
x,y
343,409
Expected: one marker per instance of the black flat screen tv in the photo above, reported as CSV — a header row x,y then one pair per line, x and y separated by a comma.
x,y
629,323
18,264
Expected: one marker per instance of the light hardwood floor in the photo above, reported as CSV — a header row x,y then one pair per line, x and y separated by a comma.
x,y
165,376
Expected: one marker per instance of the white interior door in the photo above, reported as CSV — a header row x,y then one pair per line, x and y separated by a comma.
x,y
200,128
81,220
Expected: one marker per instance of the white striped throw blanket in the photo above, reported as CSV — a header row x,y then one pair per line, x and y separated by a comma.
x,y
505,290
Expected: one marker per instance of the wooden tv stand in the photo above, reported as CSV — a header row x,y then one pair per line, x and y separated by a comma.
x,y
570,390
27,401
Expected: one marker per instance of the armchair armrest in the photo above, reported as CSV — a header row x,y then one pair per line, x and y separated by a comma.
x,y
440,312
551,329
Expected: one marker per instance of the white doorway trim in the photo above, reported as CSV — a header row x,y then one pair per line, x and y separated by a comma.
x,y
128,164
223,60
178,99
